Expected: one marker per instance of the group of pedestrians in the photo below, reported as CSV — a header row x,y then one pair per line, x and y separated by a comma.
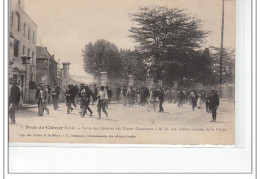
x,y
84,95
140,96
196,99
131,96
47,95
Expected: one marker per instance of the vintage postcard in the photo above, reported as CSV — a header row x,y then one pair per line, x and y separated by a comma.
x,y
122,71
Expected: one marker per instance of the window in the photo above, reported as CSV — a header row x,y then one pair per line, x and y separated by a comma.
x,y
32,55
24,29
33,37
29,33
23,50
28,52
19,2
16,47
17,22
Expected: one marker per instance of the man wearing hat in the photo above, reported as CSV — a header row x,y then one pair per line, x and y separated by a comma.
x,y
102,99
14,99
57,91
213,104
79,95
43,99
194,99
131,96
37,95
49,93
118,91
68,96
54,94
85,99
123,95
161,95
95,93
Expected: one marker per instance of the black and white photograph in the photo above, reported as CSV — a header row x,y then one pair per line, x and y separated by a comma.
x,y
122,71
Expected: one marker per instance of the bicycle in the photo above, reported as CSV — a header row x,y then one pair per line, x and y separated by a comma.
x,y
153,105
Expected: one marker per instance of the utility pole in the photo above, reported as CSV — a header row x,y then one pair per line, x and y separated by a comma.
x,y
221,47
48,77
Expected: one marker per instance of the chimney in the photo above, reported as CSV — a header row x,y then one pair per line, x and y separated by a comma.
x,y
45,48
52,56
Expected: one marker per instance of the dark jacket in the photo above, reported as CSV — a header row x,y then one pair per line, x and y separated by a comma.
x,y
109,93
95,91
161,95
86,95
73,92
15,94
68,95
57,90
124,92
37,93
118,91
213,100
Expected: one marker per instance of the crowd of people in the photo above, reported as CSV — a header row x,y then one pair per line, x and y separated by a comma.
x,y
196,98
46,95
84,94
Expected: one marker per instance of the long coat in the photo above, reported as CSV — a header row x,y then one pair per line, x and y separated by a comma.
x,y
213,100
15,94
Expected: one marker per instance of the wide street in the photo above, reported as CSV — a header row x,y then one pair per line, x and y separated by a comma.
x,y
126,125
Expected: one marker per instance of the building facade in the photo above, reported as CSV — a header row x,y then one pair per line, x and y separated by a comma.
x,y
23,40
46,66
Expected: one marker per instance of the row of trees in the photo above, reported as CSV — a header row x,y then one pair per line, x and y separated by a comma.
x,y
105,56
169,48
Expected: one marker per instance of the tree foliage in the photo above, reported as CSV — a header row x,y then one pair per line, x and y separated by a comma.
x,y
169,48
169,39
228,64
102,56
160,30
132,64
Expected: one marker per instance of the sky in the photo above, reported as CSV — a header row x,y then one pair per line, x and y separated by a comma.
x,y
66,26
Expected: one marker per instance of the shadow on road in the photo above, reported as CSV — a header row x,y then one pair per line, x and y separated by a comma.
x,y
26,113
221,122
111,119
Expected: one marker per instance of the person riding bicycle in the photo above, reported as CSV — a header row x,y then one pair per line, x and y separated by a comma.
x,y
154,95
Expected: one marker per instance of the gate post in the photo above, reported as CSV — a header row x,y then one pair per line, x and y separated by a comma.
x,y
65,80
103,79
130,80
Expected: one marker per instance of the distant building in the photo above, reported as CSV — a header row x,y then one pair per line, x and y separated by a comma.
x,y
23,38
46,66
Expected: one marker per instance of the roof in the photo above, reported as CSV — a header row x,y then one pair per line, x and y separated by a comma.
x,y
42,52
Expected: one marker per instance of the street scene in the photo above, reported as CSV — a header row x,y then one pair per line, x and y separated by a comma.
x,y
183,120
142,73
